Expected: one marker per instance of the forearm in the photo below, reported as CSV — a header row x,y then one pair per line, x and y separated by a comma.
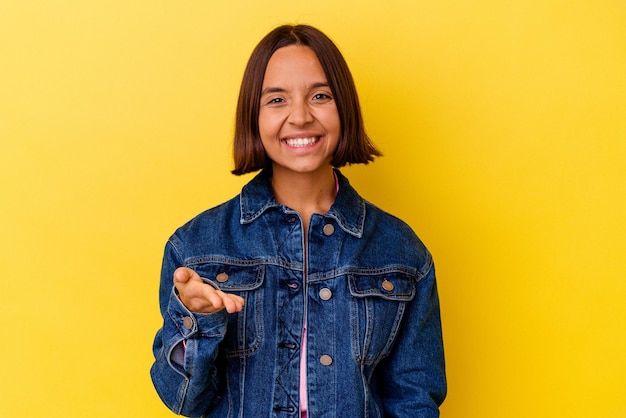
x,y
413,377
186,378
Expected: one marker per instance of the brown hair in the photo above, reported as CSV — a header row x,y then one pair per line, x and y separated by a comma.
x,y
354,145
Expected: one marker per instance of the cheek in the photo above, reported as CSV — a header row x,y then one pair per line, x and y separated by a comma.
x,y
336,127
267,133
262,122
268,125
334,121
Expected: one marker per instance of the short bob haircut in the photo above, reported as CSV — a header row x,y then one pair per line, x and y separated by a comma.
x,y
354,145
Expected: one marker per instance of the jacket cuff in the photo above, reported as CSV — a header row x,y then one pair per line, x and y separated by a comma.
x,y
185,324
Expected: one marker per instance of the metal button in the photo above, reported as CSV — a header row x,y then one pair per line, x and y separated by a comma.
x,y
188,322
326,360
326,294
329,229
388,286
222,277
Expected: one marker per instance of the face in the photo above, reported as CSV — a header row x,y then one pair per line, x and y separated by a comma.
x,y
298,119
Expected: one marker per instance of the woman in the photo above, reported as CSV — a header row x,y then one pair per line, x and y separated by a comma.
x,y
298,297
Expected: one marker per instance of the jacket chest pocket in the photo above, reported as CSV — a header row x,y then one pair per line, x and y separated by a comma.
x,y
245,329
377,307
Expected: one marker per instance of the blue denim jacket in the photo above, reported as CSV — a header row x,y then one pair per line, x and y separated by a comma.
x,y
365,281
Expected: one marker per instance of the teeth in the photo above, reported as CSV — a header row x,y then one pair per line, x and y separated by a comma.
x,y
301,142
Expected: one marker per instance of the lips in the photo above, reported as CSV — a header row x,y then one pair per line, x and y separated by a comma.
x,y
302,142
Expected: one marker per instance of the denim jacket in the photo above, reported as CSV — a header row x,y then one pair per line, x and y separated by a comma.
x,y
367,286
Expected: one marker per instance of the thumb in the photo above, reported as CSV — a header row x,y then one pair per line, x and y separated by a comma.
x,y
183,274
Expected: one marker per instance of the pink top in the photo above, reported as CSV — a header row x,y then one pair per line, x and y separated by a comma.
x,y
303,397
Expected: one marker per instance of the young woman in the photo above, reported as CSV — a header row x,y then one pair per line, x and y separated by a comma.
x,y
297,297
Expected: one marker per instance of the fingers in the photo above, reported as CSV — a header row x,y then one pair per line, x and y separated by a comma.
x,y
232,303
214,297
198,296
220,300
183,275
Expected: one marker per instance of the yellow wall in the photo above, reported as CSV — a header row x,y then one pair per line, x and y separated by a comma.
x,y
504,129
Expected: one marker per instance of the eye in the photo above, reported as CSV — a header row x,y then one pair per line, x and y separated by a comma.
x,y
322,96
275,100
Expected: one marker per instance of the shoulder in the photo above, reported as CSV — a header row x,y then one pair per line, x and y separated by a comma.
x,y
395,238
216,214
391,222
204,227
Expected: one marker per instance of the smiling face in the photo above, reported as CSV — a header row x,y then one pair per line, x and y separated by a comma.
x,y
298,120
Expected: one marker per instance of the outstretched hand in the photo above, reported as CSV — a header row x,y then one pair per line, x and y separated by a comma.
x,y
200,297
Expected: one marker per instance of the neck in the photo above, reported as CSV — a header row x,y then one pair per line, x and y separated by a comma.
x,y
306,193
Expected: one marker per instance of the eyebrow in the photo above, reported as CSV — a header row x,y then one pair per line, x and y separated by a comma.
x,y
270,90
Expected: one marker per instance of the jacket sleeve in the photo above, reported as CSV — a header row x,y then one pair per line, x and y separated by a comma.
x,y
413,378
184,372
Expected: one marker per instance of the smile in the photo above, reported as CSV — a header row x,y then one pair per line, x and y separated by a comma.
x,y
301,142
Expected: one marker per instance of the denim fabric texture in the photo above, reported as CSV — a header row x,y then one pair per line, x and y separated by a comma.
x,y
366,281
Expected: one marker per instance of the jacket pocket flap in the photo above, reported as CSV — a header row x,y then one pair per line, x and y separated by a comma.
x,y
229,277
391,286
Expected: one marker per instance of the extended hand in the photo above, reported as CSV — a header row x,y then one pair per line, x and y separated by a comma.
x,y
198,296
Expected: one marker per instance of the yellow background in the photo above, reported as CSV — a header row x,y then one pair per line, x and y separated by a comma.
x,y
503,125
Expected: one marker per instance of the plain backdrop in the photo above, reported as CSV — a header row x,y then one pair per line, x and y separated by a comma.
x,y
503,125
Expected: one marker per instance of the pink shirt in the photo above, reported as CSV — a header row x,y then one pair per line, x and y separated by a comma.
x,y
303,397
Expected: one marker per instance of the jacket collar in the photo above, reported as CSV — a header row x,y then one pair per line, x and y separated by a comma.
x,y
348,209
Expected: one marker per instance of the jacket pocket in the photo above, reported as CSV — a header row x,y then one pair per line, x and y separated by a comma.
x,y
244,333
377,306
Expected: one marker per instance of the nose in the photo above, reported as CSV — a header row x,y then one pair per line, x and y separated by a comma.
x,y
300,113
